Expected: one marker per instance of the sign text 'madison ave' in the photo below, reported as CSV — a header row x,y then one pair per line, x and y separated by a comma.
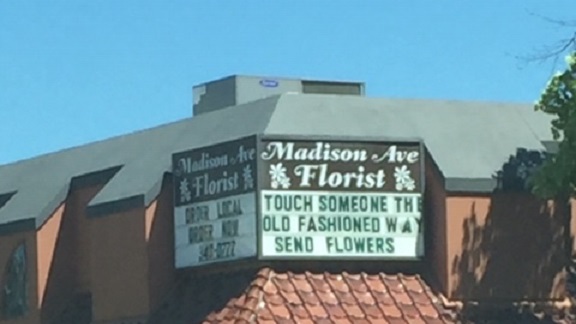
x,y
334,199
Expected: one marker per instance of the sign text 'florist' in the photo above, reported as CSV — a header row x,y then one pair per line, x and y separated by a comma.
x,y
340,165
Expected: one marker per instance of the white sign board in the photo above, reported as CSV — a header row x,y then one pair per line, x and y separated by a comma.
x,y
215,203
323,224
219,230
340,199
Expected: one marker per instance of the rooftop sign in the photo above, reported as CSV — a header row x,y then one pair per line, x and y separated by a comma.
x,y
338,199
215,203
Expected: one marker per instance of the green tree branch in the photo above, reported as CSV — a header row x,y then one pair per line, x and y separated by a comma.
x,y
557,176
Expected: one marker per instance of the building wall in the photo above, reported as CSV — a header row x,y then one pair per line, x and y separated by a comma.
x,y
572,208
81,197
119,266
160,242
124,260
64,265
132,260
7,245
435,213
499,246
506,246
54,264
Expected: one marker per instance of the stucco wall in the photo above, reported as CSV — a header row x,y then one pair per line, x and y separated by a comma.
x,y
7,245
160,242
80,199
125,260
119,265
498,246
435,214
506,246
64,265
54,265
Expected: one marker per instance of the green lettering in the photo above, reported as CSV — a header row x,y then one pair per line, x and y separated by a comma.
x,y
374,204
378,204
308,203
303,244
343,204
288,244
321,223
278,244
375,224
348,244
379,245
331,225
390,245
370,245
293,244
391,223
322,203
359,244
298,246
267,198
329,243
311,225
407,227
301,222
419,224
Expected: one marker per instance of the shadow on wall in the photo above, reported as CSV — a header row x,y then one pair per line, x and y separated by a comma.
x,y
14,301
519,249
196,296
61,303
161,246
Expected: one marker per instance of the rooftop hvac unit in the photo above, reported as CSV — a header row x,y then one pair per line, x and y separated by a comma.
x,y
235,90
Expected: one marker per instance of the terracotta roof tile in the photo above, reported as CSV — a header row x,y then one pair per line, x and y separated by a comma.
x,y
261,321
287,297
335,311
317,312
267,296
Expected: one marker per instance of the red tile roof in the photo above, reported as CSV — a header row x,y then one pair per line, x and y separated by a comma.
x,y
289,297
316,296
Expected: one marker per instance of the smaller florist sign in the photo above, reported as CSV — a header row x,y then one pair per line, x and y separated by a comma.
x,y
215,203
334,199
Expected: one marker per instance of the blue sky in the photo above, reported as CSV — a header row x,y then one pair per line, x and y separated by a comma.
x,y
73,72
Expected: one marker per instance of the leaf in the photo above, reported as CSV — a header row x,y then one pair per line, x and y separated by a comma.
x,y
557,176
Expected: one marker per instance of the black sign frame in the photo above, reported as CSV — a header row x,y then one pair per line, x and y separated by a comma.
x,y
235,142
261,139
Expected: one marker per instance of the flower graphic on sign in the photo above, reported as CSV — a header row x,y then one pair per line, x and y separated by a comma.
x,y
278,176
403,179
185,193
285,183
248,177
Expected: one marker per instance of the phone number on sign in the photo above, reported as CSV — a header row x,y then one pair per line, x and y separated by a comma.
x,y
216,251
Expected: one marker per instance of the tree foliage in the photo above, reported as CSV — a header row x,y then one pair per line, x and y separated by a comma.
x,y
557,176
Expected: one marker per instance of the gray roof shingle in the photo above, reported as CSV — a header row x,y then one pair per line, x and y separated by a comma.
x,y
469,141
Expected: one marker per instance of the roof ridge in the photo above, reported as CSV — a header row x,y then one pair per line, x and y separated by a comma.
x,y
260,302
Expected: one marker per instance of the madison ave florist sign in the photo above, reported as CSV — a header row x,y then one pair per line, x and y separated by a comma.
x,y
215,203
334,199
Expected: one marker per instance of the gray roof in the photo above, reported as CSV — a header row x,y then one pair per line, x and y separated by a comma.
x,y
469,141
